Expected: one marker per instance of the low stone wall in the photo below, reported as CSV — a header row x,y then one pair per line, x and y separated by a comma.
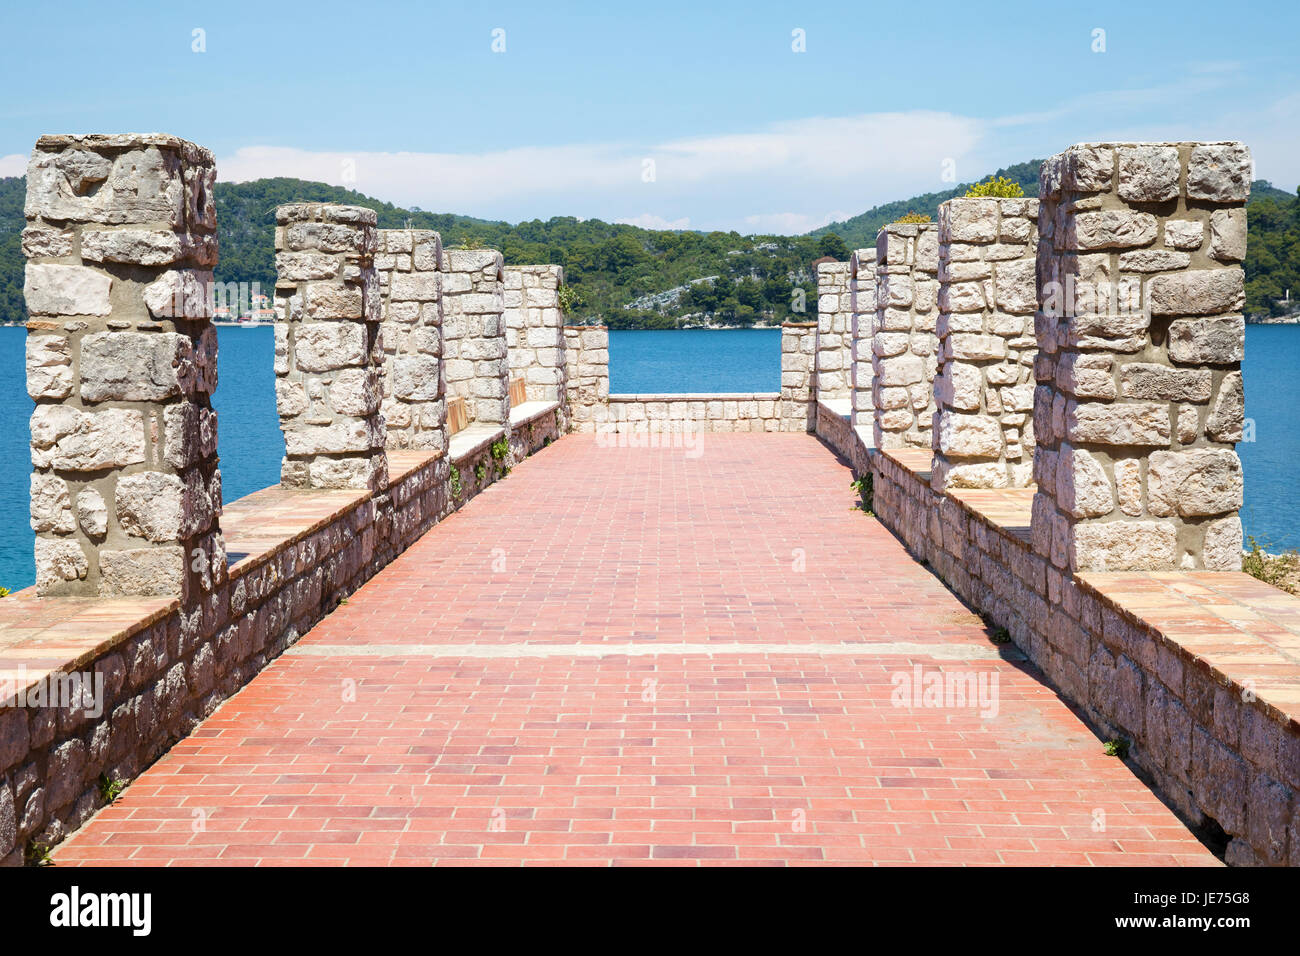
x,y
1221,748
166,666
835,428
688,412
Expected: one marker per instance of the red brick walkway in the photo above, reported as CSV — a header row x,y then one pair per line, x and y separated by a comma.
x,y
515,689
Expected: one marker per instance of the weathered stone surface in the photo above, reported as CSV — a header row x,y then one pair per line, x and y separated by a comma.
x,y
39,242
1128,486
1148,173
1111,229
132,366
1197,292
138,246
1132,424
1184,233
142,571
1207,341
49,366
1165,383
71,440
1228,414
92,513
1194,483
969,436
1222,548
51,505
325,346
59,560
1124,546
66,290
149,505
180,294
1082,485
1228,235
1219,172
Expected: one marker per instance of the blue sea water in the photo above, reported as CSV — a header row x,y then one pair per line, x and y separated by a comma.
x,y
661,361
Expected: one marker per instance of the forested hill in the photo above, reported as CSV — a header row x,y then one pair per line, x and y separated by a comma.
x,y
639,278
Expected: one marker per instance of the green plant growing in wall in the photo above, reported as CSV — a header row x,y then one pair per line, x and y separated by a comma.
x,y
570,298
480,470
454,481
866,492
109,788
500,448
997,187
1116,748
37,854
913,217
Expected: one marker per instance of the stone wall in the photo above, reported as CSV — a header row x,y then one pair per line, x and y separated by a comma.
x,y
862,305
834,364
904,344
798,349
408,263
534,330
687,412
169,668
1212,745
121,362
984,389
475,365
1139,402
328,353
586,351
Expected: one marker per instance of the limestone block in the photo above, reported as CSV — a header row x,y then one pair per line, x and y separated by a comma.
x,y
1223,543
1184,233
132,366
1132,424
1082,485
60,290
1124,546
1164,383
1228,414
1197,292
1219,172
142,571
49,366
72,440
1148,173
39,242
180,294
92,513
51,505
59,560
1110,229
969,436
324,346
148,505
1128,486
1228,235
1207,341
1194,483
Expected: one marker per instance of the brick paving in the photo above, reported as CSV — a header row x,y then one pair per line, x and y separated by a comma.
x,y
644,656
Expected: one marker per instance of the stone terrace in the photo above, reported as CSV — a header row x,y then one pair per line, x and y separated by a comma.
x,y
689,662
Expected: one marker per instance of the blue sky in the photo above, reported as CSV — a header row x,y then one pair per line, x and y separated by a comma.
x,y
408,102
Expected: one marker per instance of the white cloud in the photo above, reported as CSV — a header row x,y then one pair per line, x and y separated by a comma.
x,y
13,165
648,220
793,223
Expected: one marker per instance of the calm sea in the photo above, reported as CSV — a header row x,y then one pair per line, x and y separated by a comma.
x,y
691,361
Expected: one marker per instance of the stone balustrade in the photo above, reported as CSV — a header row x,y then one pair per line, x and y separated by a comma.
x,y
984,390
122,362
1140,336
328,351
904,345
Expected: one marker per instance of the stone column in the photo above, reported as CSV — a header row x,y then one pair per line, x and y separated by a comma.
x,y
834,308
798,342
1139,404
122,362
586,359
534,329
984,389
474,343
328,352
904,345
862,299
408,263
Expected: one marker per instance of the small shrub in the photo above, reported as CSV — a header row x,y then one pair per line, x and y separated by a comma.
x,y
480,470
37,854
1116,748
110,789
1000,635
456,487
1280,570
913,217
500,448
570,298
4,592
998,187
863,486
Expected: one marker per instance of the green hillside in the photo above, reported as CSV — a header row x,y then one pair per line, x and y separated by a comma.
x,y
640,278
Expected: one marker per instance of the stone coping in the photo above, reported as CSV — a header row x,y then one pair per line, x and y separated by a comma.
x,y
1242,631
470,441
695,397
40,636
527,412
842,407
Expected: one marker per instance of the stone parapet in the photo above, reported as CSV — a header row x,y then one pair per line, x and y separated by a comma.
x,y
475,364
798,356
904,344
534,330
834,364
586,384
121,363
1139,402
408,263
984,389
328,350
862,320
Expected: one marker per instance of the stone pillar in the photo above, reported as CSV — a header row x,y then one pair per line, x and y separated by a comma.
x,y
475,366
328,353
834,308
904,345
586,359
798,410
1139,404
534,330
984,389
862,304
122,362
408,263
